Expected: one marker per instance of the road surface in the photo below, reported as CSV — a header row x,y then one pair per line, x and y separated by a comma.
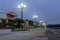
x,y
53,34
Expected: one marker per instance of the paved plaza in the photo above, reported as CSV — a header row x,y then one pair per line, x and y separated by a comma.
x,y
27,35
33,34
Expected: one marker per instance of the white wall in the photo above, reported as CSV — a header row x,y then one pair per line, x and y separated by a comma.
x,y
3,15
4,31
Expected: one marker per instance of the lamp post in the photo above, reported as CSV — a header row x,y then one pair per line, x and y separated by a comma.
x,y
35,17
42,24
22,6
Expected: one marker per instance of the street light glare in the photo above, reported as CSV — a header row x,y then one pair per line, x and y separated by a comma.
x,y
24,5
35,16
19,6
41,21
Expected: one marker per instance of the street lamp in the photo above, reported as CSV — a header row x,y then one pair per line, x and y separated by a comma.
x,y
42,24
22,6
34,17
41,21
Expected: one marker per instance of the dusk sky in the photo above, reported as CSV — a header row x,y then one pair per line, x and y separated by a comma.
x,y
46,10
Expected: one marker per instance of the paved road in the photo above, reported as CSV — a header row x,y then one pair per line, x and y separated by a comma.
x,y
33,34
53,34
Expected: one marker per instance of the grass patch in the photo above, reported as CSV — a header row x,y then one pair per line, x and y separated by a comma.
x,y
17,30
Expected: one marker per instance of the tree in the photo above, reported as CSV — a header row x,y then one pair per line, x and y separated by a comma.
x,y
4,23
31,22
18,22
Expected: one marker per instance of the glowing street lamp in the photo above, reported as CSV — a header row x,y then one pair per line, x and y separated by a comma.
x,y
34,17
42,24
41,21
22,6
